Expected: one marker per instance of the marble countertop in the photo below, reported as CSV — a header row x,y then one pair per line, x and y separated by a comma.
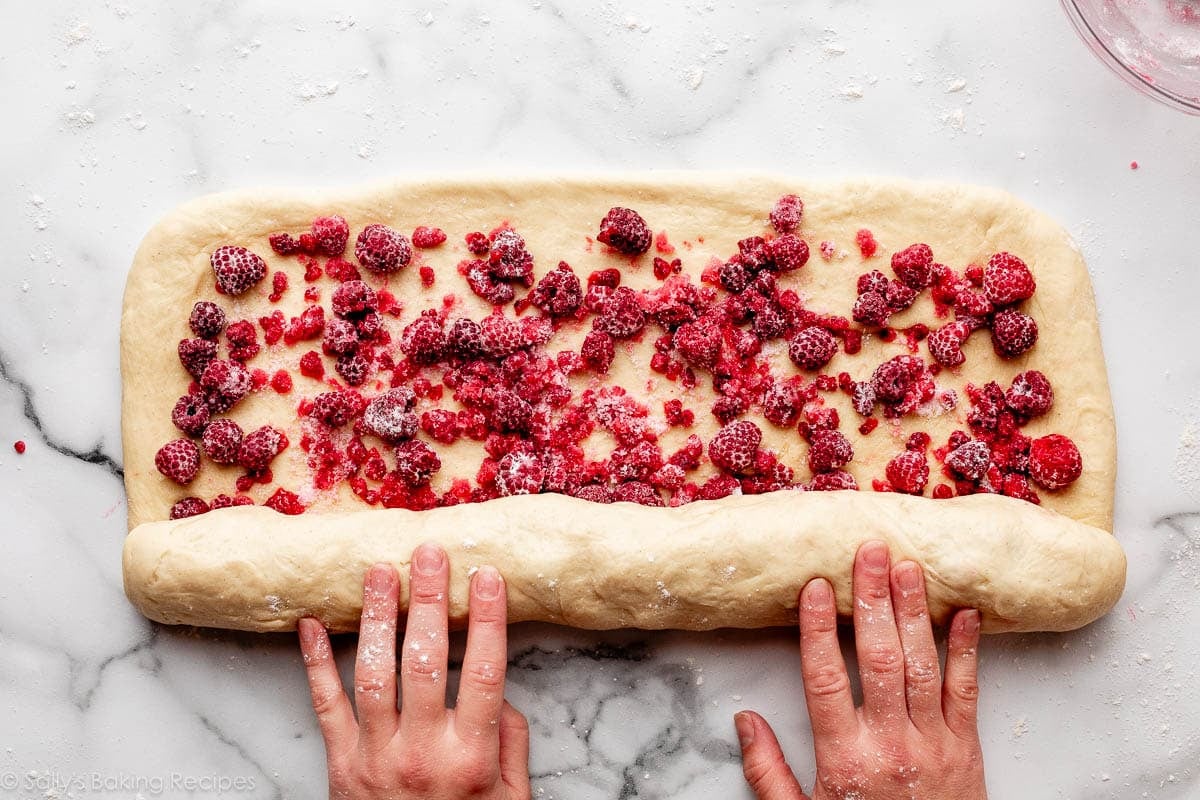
x,y
117,111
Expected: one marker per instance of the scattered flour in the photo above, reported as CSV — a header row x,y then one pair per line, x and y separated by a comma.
x,y
312,91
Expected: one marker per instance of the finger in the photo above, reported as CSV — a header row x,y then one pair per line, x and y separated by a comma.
x,y
880,660
423,664
960,693
763,763
334,714
481,687
375,667
922,677
826,684
514,749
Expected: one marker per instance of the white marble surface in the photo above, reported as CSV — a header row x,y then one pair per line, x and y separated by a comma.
x,y
114,112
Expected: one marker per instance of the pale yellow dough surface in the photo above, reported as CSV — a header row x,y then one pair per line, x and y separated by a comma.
x,y
1027,568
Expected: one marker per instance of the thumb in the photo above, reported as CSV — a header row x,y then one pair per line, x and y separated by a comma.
x,y
762,760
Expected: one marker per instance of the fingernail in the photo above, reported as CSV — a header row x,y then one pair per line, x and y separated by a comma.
x,y
487,583
819,593
908,576
428,559
875,556
744,724
970,622
379,578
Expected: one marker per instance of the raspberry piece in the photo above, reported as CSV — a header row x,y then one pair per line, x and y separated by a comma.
x,y
329,236
1030,395
519,473
635,463
285,502
908,472
945,344
1013,333
508,259
637,492
485,284
828,450
873,281
559,292
190,414
899,296
381,249
892,379
353,298
225,501
970,303
243,340
416,462
866,243
426,237
787,213
594,493
1054,462
237,269
871,309
259,448
221,441
188,507
862,397
224,384
781,404
284,244
341,271
914,266
510,414
812,348
309,325
754,253
423,339
919,441
311,365
178,460
734,277
621,316
477,243
663,269
336,408
719,486
970,460
279,285
353,367
1007,280
207,320
340,337
441,425
465,339
735,446
427,276
196,355
623,229
389,415
501,336
676,415
598,351
789,252
835,481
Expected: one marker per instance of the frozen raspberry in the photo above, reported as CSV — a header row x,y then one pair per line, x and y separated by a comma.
x,y
311,365
465,339
914,266
754,253
873,281
441,425
623,229
866,243
224,384
559,292
221,441
719,486
353,367
336,408
243,340
768,324
330,235
477,243
237,269
225,501
893,378
284,244
259,448
1054,462
1030,395
735,446
862,397
908,472
353,298
501,336
284,502
970,460
598,351
1013,333
945,344
621,316
508,259
1007,280
340,337
416,462
787,213
781,404
899,296
970,303
636,462
510,414
381,249
594,493
190,414
663,269
789,252
207,320
676,415
812,348
835,481
519,473
918,441
485,284
389,415
734,277
426,237
188,507
423,339
196,355
178,460
637,492
828,450
279,285
871,309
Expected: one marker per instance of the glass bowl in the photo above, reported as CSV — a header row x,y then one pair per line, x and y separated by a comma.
x,y
1154,45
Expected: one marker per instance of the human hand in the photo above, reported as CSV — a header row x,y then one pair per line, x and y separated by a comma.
x,y
479,749
915,736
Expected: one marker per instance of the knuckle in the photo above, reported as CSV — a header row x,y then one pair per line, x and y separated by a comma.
x,y
966,691
484,674
826,680
325,699
881,658
818,623
427,591
425,664
759,769
920,673
876,590
476,777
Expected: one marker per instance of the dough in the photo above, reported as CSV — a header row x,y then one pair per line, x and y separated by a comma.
x,y
1027,567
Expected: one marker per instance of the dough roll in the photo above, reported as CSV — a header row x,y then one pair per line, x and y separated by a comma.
x,y
737,562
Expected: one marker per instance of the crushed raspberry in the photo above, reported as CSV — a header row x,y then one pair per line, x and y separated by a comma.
x,y
423,339
243,340
735,447
309,325
510,413
191,414
381,249
787,213
279,285
945,344
559,292
353,367
312,272
465,339
718,486
284,244
508,260
908,472
835,481
427,275
754,253
914,266
426,237
477,243
871,309
970,460
734,277
416,462
207,320
973,304
676,415
485,284
221,441
225,501
812,348
285,502
311,365
664,269
224,383
1054,462
1031,395
336,408
441,425
899,296
188,507
389,415
621,316
519,473
259,447
828,450
237,269
501,336
637,492
178,460
1013,333
353,298
624,230
196,355
869,424
341,271
341,337
272,326
866,243
594,493
598,351
1007,280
